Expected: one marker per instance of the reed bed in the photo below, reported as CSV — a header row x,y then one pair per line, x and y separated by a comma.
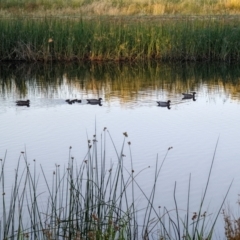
x,y
94,200
118,39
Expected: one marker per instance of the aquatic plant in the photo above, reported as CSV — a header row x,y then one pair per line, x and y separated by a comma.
x,y
93,200
120,39
232,223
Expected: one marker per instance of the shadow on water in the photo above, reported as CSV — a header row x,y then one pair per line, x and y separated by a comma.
x,y
126,81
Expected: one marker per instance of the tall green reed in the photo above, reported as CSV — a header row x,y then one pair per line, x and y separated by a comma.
x,y
93,200
109,39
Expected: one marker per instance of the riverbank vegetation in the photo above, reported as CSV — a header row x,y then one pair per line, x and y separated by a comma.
x,y
95,198
120,39
117,7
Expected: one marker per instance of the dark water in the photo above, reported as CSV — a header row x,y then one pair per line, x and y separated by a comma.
x,y
49,126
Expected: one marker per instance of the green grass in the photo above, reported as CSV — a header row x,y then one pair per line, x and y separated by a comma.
x,y
94,199
110,39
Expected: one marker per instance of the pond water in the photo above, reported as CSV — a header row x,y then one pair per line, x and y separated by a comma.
x,y
49,126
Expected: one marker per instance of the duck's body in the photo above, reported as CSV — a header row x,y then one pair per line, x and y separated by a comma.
x,y
23,102
187,98
94,101
73,101
164,104
188,95
97,103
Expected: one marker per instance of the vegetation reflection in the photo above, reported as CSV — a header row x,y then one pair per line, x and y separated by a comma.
x,y
124,81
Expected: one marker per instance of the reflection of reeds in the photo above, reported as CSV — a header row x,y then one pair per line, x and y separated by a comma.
x,y
121,80
101,39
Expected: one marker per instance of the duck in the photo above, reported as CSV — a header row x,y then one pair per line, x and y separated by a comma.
x,y
97,103
188,95
164,104
69,101
23,102
94,101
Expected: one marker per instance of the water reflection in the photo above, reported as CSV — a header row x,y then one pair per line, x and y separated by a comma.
x,y
126,82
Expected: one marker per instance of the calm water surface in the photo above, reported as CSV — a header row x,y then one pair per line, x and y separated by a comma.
x,y
47,128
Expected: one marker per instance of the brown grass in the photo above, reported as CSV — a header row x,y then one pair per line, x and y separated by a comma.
x,y
232,225
118,7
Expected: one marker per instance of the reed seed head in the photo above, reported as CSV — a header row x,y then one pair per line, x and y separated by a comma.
x,y
129,143
125,134
104,128
194,216
70,147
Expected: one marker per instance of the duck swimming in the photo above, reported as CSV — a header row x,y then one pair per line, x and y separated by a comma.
x,y
23,102
164,104
94,101
189,95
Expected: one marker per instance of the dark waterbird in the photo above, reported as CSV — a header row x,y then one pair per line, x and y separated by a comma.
x,y
164,104
73,101
189,96
23,102
94,101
